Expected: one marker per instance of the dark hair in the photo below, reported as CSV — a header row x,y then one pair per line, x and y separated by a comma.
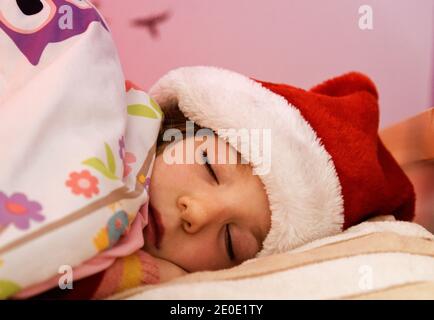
x,y
173,118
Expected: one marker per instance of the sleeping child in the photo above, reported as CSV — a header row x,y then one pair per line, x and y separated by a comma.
x,y
328,171
103,191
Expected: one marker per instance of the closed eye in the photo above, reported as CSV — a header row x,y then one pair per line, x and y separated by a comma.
x,y
228,242
209,167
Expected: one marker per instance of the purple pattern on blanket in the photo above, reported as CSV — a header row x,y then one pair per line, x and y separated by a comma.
x,y
33,44
18,210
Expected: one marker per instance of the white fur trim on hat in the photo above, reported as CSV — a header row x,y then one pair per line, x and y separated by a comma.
x,y
302,185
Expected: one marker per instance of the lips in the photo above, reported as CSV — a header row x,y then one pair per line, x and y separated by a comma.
x,y
155,227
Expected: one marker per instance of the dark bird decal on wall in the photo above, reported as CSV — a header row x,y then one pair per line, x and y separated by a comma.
x,y
152,22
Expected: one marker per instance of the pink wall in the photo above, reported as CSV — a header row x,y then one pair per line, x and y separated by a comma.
x,y
301,42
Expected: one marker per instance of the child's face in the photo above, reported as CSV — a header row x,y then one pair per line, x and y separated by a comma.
x,y
195,210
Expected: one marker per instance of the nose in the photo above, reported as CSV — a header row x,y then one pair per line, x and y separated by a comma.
x,y
196,214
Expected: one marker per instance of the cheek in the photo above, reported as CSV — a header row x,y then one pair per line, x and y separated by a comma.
x,y
172,176
195,254
165,180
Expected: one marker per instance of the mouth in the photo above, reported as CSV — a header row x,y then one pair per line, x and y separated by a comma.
x,y
155,226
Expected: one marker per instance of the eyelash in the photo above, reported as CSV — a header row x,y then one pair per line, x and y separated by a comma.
x,y
228,242
208,166
228,239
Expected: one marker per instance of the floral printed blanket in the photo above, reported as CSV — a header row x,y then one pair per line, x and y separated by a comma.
x,y
76,143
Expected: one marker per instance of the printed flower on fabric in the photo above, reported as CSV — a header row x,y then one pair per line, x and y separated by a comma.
x,y
108,236
83,183
101,240
145,181
19,210
128,159
116,226
122,147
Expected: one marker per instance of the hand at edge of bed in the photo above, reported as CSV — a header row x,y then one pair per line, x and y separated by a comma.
x,y
411,142
168,270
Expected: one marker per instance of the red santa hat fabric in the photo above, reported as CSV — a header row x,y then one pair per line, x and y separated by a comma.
x,y
329,169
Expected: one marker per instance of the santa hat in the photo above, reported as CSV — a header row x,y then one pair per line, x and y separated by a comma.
x,y
329,169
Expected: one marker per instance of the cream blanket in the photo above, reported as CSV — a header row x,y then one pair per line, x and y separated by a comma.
x,y
377,259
